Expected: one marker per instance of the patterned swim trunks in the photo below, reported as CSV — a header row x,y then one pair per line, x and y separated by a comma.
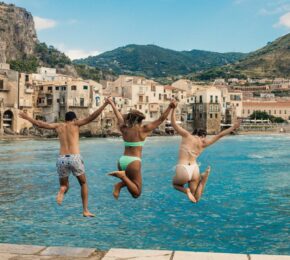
x,y
70,163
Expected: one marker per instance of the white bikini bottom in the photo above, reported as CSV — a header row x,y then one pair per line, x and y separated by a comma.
x,y
190,171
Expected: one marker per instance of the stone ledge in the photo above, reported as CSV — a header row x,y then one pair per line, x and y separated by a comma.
x,y
269,257
119,253
20,249
67,251
181,255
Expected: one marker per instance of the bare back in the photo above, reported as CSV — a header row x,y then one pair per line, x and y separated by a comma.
x,y
68,134
190,148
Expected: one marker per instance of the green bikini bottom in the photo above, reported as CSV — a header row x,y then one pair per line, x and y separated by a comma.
x,y
125,160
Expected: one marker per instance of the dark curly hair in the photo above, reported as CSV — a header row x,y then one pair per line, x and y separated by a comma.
x,y
199,132
134,117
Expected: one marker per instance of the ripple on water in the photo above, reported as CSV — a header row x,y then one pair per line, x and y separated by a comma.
x,y
245,208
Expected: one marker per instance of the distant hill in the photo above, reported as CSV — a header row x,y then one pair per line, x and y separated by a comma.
x,y
271,61
154,61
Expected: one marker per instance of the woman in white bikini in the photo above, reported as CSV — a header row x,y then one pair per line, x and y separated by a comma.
x,y
187,169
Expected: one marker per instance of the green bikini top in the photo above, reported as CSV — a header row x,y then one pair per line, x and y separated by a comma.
x,y
134,144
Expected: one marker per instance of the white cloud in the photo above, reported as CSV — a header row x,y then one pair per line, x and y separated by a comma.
x,y
78,53
43,23
284,21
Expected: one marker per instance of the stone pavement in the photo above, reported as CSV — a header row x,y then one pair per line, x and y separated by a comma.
x,y
29,252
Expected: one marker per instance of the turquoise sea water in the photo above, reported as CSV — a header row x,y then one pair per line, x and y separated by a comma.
x,y
245,207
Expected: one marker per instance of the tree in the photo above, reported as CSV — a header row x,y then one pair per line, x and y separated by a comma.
x,y
262,115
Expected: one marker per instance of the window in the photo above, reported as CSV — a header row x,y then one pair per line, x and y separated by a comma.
x,y
285,112
153,88
63,88
85,87
151,114
58,100
200,115
216,99
56,88
146,111
269,112
200,99
249,111
140,106
237,104
211,99
274,112
280,112
1,84
243,111
141,99
159,96
26,77
73,87
147,99
210,115
216,115
41,88
49,88
82,102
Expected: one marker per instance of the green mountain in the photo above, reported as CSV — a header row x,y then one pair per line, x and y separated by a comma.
x,y
154,61
273,60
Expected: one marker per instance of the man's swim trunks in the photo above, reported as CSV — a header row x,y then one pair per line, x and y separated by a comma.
x,y
70,163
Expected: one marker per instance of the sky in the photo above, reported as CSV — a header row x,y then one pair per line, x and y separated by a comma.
x,y
89,27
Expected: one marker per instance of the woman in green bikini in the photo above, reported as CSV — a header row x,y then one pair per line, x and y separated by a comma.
x,y
134,135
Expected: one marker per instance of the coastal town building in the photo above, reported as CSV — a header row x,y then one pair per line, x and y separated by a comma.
x,y
47,95
206,110
15,94
277,108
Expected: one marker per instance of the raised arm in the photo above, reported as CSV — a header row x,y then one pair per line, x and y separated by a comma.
x,y
178,128
151,126
222,134
92,116
38,123
117,113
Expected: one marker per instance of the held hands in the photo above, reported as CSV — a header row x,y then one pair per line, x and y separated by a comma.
x,y
173,103
109,100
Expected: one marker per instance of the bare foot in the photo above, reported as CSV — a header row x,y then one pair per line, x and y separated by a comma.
x,y
116,191
59,197
88,214
118,174
190,196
